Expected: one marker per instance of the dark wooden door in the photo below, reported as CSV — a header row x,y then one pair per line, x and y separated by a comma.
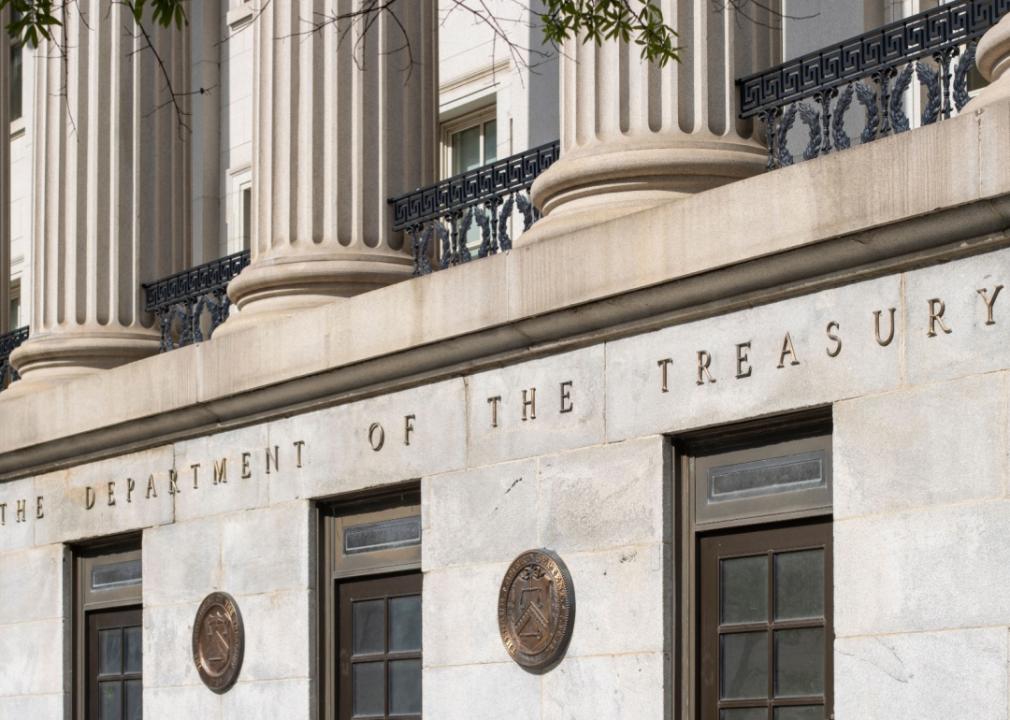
x,y
380,648
114,664
766,632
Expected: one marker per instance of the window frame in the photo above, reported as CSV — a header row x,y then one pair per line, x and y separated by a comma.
x,y
752,437
332,517
87,601
238,236
474,118
14,296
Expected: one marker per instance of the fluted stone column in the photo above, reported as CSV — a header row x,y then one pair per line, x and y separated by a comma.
x,y
111,199
344,118
634,135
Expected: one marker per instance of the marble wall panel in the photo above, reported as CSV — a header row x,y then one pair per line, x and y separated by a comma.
x,y
107,497
568,390
923,676
386,439
755,362
943,443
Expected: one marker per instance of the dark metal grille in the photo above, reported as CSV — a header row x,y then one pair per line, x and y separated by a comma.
x,y
437,219
191,304
876,70
7,344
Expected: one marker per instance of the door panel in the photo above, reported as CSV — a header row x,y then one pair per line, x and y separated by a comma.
x,y
766,633
379,644
114,667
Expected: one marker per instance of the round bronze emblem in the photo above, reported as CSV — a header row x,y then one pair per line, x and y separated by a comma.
x,y
218,641
536,609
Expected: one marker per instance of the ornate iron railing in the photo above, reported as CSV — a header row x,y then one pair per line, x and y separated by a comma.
x,y
190,305
438,219
8,342
876,70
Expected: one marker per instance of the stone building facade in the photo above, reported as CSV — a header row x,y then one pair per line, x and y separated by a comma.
x,y
759,416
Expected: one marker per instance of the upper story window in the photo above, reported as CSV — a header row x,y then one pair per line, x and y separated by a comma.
x,y
239,208
470,142
246,216
15,307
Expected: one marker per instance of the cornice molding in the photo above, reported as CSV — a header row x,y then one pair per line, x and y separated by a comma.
x,y
899,203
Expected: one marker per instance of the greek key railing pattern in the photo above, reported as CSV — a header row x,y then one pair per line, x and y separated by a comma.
x,y
8,342
494,199
190,305
874,72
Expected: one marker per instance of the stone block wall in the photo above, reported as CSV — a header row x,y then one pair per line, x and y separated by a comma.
x,y
572,452
263,558
602,509
922,562
34,639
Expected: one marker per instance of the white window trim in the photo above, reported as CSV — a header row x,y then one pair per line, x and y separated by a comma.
x,y
455,125
240,12
239,179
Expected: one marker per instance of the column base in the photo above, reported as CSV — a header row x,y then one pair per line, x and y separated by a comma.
x,y
277,286
55,357
993,60
601,182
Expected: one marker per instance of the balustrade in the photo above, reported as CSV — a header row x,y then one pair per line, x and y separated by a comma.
x,y
494,198
8,342
873,72
190,305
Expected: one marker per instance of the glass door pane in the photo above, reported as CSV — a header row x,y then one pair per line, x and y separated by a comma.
x,y
743,666
744,593
799,585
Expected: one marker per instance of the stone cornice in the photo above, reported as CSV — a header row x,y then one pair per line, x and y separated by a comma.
x,y
921,197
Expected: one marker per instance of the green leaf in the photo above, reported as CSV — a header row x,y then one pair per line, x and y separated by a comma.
x,y
630,21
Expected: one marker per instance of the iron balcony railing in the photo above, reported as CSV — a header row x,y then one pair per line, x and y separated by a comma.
x,y
493,199
876,70
191,304
8,342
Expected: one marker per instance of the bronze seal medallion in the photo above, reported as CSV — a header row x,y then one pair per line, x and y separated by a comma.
x,y
218,641
536,609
